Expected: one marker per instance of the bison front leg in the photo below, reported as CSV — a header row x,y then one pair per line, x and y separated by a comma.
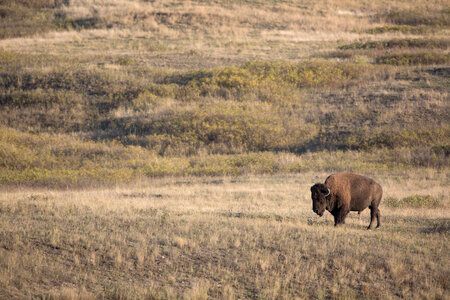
x,y
339,216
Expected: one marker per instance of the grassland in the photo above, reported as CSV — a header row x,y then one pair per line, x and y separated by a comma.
x,y
165,149
223,237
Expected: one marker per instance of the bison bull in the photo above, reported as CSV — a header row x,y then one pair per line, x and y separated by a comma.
x,y
345,192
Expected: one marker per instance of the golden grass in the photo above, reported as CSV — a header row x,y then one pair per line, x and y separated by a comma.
x,y
261,29
224,237
218,237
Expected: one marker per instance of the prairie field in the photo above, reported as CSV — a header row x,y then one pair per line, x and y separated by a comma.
x,y
157,149
222,237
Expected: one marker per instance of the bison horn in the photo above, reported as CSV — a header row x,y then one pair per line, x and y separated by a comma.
x,y
328,192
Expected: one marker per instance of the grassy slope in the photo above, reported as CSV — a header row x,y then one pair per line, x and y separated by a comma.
x,y
100,87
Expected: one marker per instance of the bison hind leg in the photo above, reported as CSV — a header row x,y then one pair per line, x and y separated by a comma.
x,y
378,218
374,213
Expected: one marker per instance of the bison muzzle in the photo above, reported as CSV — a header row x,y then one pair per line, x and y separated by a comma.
x,y
345,192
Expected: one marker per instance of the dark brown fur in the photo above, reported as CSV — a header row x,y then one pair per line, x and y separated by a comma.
x,y
347,192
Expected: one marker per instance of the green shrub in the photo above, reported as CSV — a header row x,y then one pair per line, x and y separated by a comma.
x,y
112,90
442,149
17,20
421,58
415,201
7,58
268,81
400,28
220,165
416,18
26,18
37,4
61,161
125,60
381,137
62,22
40,98
398,43
406,137
218,127
412,21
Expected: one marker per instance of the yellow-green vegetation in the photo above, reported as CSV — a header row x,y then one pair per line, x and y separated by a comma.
x,y
165,100
222,238
175,117
413,201
62,161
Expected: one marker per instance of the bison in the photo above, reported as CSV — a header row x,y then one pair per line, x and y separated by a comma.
x,y
345,192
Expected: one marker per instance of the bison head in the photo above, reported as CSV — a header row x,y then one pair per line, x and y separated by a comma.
x,y
319,192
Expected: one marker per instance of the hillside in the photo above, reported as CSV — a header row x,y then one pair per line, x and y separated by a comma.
x,y
165,149
101,92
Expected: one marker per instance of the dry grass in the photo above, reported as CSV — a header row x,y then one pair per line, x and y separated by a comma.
x,y
83,82
240,237
213,30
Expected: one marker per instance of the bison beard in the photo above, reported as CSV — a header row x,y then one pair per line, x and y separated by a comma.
x,y
345,192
